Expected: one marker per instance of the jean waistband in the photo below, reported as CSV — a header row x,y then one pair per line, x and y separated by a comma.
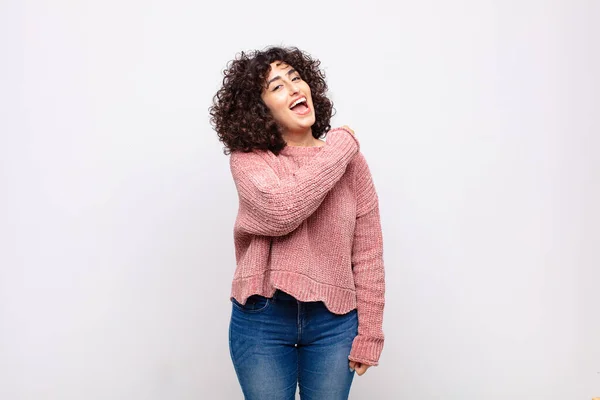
x,y
281,295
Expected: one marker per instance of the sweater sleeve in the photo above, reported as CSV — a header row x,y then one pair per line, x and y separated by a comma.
x,y
270,206
368,269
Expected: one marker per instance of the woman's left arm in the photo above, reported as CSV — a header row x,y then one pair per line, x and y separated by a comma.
x,y
368,269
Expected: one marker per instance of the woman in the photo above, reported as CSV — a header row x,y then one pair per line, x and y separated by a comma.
x,y
308,291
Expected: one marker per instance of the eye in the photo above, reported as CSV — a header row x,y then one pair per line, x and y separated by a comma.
x,y
296,78
276,87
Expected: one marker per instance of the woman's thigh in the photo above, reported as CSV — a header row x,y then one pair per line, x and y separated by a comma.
x,y
262,334
323,354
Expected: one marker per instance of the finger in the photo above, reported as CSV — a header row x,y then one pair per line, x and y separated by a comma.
x,y
348,129
352,365
357,366
362,369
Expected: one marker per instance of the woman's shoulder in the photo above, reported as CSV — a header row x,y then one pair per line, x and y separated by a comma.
x,y
255,161
252,156
359,163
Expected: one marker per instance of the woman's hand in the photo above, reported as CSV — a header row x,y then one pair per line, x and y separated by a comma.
x,y
348,129
360,368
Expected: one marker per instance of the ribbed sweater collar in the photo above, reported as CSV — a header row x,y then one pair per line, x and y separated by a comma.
x,y
300,150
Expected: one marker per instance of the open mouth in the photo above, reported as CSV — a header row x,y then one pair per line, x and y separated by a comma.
x,y
300,106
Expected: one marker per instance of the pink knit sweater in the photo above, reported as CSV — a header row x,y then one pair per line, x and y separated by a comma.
x,y
308,224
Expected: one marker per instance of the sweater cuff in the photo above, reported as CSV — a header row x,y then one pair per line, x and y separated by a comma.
x,y
341,134
366,350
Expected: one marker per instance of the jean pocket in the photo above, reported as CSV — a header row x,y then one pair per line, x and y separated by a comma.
x,y
255,303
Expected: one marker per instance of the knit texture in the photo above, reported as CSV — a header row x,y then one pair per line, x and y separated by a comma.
x,y
308,224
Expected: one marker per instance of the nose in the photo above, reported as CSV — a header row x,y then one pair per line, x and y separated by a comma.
x,y
293,88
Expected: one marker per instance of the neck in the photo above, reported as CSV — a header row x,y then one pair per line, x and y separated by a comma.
x,y
304,139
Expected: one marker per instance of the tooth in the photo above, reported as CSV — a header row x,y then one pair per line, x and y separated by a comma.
x,y
302,100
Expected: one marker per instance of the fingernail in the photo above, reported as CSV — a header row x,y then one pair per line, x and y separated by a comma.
x,y
351,370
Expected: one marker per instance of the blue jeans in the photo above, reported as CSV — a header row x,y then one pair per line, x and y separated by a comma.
x,y
277,343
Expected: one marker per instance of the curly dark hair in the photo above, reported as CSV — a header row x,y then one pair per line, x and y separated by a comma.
x,y
238,113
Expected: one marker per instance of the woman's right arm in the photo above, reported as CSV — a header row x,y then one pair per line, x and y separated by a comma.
x,y
270,206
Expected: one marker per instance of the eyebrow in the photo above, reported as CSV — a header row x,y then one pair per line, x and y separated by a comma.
x,y
291,71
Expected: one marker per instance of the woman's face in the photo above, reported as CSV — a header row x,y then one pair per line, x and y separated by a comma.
x,y
289,99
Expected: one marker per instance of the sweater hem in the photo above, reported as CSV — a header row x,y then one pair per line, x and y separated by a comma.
x,y
337,299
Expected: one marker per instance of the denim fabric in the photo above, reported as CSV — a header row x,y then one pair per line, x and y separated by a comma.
x,y
278,343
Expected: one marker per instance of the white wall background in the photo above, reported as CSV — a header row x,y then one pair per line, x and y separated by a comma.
x,y
480,120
